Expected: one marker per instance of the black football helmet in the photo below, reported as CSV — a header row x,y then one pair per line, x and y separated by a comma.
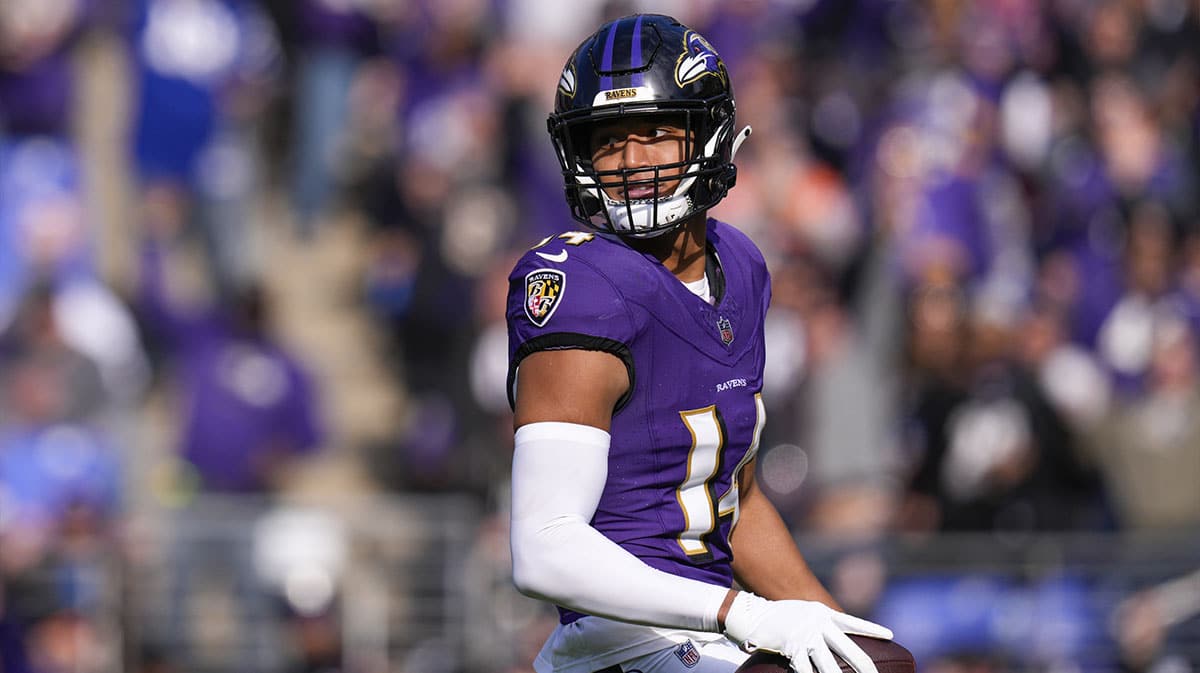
x,y
646,65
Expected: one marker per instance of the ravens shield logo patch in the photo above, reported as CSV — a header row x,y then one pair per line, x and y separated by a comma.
x,y
543,292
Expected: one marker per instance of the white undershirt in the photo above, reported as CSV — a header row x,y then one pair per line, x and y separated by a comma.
x,y
699,288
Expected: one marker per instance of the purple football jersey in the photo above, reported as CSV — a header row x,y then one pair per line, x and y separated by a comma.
x,y
694,412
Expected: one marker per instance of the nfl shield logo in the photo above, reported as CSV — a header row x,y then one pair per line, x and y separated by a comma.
x,y
688,654
726,330
543,291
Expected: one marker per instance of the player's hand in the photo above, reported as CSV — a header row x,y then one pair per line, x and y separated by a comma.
x,y
801,630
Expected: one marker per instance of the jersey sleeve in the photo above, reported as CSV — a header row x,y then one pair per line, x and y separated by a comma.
x,y
555,305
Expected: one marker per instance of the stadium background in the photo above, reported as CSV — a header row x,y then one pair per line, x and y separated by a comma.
x,y
252,262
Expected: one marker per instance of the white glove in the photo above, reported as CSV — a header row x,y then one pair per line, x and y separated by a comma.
x,y
800,630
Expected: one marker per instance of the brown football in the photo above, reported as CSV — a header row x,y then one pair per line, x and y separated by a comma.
x,y
888,655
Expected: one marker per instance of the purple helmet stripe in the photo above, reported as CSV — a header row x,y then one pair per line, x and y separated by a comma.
x,y
606,62
635,53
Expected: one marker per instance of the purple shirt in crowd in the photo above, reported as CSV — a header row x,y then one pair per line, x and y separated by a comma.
x,y
694,412
245,398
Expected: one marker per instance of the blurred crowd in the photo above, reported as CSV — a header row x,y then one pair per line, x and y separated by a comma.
x,y
981,219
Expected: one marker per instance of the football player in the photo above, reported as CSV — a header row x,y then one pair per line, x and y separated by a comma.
x,y
635,371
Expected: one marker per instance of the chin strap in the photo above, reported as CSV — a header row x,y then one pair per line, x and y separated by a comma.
x,y
738,140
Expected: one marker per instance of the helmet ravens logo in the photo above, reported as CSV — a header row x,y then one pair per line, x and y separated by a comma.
x,y
566,83
698,59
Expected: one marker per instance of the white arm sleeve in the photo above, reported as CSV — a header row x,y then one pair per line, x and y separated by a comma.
x,y
558,475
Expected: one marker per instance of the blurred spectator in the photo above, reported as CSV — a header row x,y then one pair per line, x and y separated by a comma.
x,y
47,381
48,238
204,71
1125,339
302,554
60,487
331,41
249,406
248,410
992,452
1149,447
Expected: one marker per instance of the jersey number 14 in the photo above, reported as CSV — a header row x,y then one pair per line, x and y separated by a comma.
x,y
702,512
